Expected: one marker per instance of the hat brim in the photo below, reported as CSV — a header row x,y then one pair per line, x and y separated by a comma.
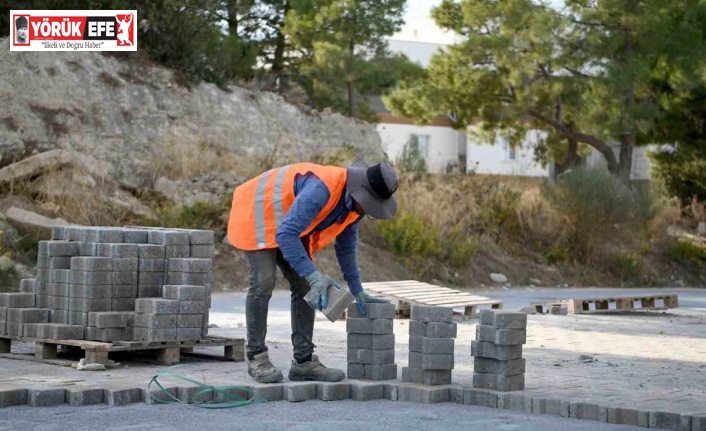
x,y
357,184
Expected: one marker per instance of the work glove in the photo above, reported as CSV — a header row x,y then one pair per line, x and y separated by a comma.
x,y
319,288
363,298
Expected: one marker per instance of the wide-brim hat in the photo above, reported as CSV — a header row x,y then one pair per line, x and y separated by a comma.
x,y
372,187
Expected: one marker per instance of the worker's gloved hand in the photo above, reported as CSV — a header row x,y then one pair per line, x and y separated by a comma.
x,y
363,298
319,288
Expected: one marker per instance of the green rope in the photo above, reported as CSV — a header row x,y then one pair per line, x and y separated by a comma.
x,y
227,399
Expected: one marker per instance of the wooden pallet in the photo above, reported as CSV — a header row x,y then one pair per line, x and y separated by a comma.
x,y
410,292
168,353
619,304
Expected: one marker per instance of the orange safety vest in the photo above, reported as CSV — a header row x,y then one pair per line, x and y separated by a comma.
x,y
259,206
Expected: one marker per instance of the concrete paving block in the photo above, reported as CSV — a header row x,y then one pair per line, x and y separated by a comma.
x,y
188,278
192,307
28,285
423,394
499,382
623,416
3,313
177,251
44,274
158,396
355,371
155,321
517,401
151,278
126,265
108,335
63,248
391,392
586,410
151,251
338,301
502,319
270,392
366,391
18,300
89,305
3,327
28,315
201,237
202,251
43,248
503,337
380,372
88,249
60,262
45,396
61,275
370,341
190,321
456,394
42,301
156,306
431,345
432,314
104,291
123,304
197,394
193,265
110,235
188,334
480,397
83,396
152,265
29,330
78,318
92,278
42,264
58,233
550,406
135,236
698,421
363,325
13,397
92,264
59,316
125,278
665,420
337,391
494,366
369,356
165,237
59,289
429,361
85,234
13,328
122,397
124,291
152,335
300,391
185,293
493,351
426,377
375,311
149,291
67,332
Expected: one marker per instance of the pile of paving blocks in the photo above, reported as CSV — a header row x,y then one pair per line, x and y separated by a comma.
x,y
92,280
371,342
431,346
498,362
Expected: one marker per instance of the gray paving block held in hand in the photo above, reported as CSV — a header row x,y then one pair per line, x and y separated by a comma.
x,y
177,251
369,356
422,394
300,391
202,251
493,351
12,397
370,341
110,319
424,313
151,251
92,264
426,377
201,237
45,396
333,391
338,302
192,307
156,321
166,237
83,396
431,345
192,265
428,361
135,236
502,319
363,325
190,321
375,311
503,337
122,397
156,306
62,248
94,277
365,391
104,291
17,300
494,366
499,382
185,292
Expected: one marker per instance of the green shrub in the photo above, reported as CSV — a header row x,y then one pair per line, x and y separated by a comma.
x,y
628,267
459,247
687,253
411,160
203,215
409,236
498,209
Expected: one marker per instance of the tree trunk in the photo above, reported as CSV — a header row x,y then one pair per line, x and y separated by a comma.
x,y
349,83
571,160
627,146
233,9
278,60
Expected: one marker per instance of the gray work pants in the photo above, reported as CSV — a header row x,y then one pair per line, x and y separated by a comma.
x,y
263,265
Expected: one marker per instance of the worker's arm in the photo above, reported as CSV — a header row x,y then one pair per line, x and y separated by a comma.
x,y
347,254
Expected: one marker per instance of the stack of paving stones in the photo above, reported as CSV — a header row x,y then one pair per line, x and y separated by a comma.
x,y
498,363
371,342
178,316
90,279
431,346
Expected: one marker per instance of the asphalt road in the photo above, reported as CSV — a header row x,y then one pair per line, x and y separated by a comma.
x,y
306,416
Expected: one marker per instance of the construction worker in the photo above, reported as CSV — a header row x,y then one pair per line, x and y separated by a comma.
x,y
282,218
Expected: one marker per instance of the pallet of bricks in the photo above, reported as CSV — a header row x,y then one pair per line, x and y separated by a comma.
x,y
431,346
497,351
115,284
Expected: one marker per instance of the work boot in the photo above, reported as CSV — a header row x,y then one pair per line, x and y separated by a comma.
x,y
314,371
261,369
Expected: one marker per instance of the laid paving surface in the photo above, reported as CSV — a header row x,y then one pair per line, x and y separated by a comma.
x,y
649,362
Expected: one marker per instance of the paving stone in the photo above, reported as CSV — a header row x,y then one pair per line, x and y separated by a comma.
x,y
59,262
59,316
666,420
13,328
149,291
492,351
192,307
28,315
124,291
91,291
12,397
125,278
391,391
177,251
58,233
369,356
494,366
77,318
155,321
192,265
355,371
3,327
17,300
150,335
518,401
363,325
83,396
122,397
456,394
88,249
123,304
480,397
338,301
623,416
432,314
269,392
164,237
3,313
499,382
126,265
584,410
106,235
429,361
380,372
156,306
28,285
188,278
698,421
59,289
92,278
300,391
156,395
61,275
45,396
185,293
423,394
502,319
426,377
92,264
370,341
62,248
107,335
375,311
328,391
150,278
503,337
197,394
366,391
60,331
151,251
190,321
135,236
550,406
188,334
89,305
201,237
202,251
431,345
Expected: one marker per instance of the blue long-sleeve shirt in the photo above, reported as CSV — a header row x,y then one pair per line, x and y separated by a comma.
x,y
311,197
